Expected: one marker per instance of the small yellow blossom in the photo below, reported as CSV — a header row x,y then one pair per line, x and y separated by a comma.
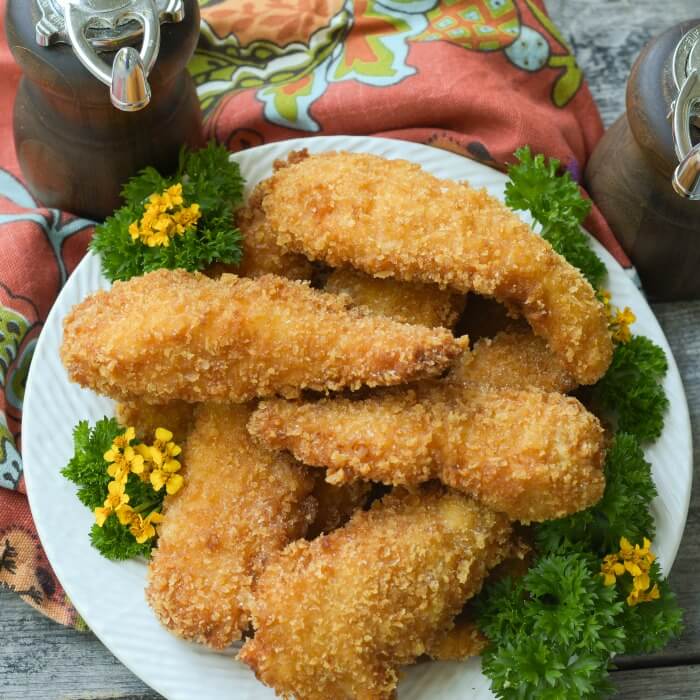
x,y
115,502
611,569
123,458
619,320
143,528
164,217
637,562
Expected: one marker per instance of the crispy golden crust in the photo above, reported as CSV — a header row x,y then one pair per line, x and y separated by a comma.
x,y
176,416
261,254
461,642
515,360
336,617
175,335
389,218
335,505
240,504
408,302
527,453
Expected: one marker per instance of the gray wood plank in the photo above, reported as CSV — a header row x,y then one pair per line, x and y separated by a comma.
x,y
671,683
42,660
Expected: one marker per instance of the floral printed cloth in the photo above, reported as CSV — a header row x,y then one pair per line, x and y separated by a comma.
x,y
476,77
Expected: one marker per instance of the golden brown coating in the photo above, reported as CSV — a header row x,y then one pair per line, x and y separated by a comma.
x,y
389,218
240,504
335,505
177,335
408,302
176,416
337,617
515,360
461,642
261,254
527,453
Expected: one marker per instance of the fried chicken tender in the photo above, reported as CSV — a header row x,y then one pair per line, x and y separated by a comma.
x,y
408,302
240,504
527,453
461,642
176,416
178,335
337,617
389,218
335,505
515,360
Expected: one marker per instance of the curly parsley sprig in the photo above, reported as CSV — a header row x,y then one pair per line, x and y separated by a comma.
x,y
184,220
123,481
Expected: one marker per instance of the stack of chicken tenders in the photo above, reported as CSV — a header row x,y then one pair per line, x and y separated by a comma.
x,y
354,470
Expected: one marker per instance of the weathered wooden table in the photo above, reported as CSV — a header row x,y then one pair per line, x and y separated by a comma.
x,y
44,661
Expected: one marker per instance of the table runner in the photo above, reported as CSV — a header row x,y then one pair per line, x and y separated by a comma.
x,y
475,77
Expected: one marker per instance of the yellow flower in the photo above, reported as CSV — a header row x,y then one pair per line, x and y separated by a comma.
x,y
114,503
642,596
164,217
611,569
123,457
142,528
620,325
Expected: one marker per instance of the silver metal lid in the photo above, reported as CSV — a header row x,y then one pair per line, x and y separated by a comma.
x,y
93,26
685,112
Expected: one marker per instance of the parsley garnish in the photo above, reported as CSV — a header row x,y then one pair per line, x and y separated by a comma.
x,y
555,202
631,389
208,179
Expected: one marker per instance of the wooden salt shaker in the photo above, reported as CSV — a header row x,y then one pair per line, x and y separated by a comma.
x,y
644,175
105,93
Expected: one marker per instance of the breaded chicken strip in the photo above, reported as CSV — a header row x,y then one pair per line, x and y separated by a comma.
x,y
336,504
389,218
240,504
335,618
516,360
176,416
177,335
461,642
261,254
408,302
527,453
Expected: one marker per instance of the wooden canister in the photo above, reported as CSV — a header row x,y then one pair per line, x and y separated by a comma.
x,y
629,176
76,150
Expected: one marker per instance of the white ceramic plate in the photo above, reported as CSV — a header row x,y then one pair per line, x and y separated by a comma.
x,y
109,595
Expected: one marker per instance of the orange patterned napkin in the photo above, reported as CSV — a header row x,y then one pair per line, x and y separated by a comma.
x,y
476,77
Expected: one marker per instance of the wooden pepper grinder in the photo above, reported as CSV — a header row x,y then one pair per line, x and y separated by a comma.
x,y
644,175
105,93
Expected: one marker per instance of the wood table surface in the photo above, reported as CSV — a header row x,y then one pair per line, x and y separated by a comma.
x,y
45,661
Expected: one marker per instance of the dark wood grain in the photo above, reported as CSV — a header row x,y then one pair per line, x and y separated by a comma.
x,y
40,660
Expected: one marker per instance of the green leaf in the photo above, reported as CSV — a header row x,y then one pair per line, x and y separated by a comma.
x,y
114,541
210,179
556,203
631,390
87,468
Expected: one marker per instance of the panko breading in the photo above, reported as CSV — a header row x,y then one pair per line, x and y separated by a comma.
x,y
240,504
389,218
408,302
177,335
335,505
461,642
176,416
527,453
335,618
261,254
515,360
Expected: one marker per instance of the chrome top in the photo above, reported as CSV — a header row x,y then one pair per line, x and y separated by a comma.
x,y
93,26
685,112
